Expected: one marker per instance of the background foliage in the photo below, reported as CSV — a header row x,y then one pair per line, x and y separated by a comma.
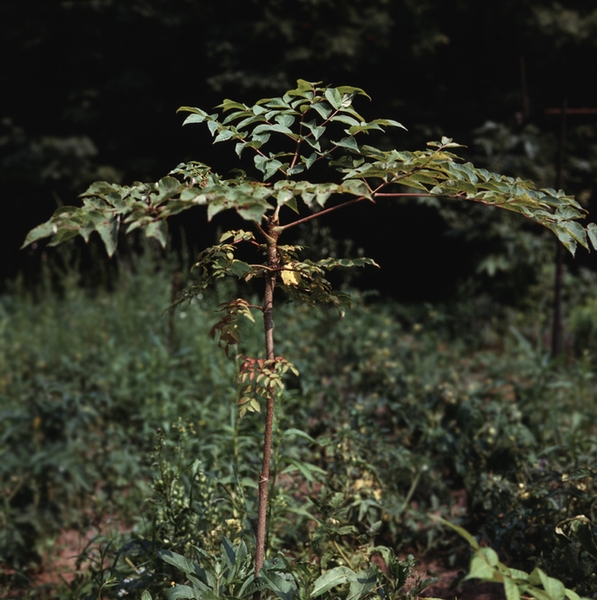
x,y
104,65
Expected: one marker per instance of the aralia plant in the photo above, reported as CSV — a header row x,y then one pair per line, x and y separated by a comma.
x,y
282,139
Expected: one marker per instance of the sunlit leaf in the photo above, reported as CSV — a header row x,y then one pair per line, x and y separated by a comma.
x,y
290,277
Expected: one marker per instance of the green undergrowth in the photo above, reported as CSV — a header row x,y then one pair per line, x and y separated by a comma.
x,y
120,421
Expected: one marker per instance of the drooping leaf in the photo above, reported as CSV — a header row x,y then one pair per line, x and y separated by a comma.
x,y
159,231
108,230
238,268
213,208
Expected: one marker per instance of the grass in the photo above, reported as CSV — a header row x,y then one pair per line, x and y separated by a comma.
x,y
109,410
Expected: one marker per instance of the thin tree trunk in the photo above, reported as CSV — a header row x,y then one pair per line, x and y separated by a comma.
x,y
268,319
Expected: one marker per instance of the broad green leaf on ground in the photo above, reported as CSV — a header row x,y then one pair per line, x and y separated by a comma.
x,y
331,579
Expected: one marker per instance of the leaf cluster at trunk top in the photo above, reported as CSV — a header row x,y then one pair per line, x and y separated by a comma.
x,y
309,124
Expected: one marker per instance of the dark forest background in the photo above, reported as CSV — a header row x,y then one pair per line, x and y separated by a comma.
x,y
90,90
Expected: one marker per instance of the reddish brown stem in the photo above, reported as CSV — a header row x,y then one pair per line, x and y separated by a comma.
x,y
320,213
338,206
268,320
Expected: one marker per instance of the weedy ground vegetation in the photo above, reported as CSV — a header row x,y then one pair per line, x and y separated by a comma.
x,y
113,424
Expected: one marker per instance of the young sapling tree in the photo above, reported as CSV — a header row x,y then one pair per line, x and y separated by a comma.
x,y
283,138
